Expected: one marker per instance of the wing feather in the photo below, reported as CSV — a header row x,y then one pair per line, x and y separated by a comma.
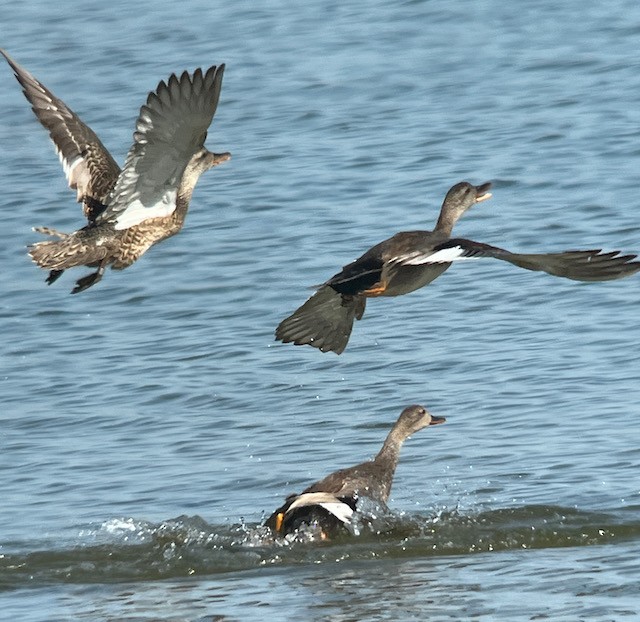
x,y
88,166
171,127
577,265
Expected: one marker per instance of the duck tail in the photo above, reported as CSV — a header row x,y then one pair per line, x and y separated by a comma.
x,y
325,321
67,251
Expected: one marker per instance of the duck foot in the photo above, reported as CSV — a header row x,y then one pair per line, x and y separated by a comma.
x,y
377,290
91,279
86,281
54,275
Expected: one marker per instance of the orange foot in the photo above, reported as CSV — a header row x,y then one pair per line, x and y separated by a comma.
x,y
377,290
279,521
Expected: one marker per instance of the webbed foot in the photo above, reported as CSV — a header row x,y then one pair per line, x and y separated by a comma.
x,y
87,281
91,279
54,275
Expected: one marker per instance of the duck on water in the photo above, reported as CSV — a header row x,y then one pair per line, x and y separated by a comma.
x,y
128,210
331,502
412,259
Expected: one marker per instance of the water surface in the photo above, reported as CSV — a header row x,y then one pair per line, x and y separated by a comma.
x,y
149,424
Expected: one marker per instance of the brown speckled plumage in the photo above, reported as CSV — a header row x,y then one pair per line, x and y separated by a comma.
x,y
128,211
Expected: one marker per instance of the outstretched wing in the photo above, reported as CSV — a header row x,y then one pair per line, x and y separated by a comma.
x,y
171,128
89,167
588,265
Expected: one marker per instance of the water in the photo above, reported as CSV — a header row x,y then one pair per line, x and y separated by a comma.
x,y
149,424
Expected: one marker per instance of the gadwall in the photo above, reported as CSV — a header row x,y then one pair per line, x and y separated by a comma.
x,y
331,502
412,259
128,210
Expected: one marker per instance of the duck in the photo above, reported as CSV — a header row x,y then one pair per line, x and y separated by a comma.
x,y
331,502
410,260
128,210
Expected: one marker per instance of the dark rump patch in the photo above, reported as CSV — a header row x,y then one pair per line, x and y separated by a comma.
x,y
357,277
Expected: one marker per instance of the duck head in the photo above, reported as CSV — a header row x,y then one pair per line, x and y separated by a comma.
x,y
458,200
416,417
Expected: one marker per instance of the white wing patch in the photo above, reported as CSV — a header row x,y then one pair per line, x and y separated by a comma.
x,y
138,212
446,255
77,178
67,166
340,510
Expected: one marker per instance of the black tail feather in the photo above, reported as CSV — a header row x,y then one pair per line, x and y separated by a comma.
x,y
325,321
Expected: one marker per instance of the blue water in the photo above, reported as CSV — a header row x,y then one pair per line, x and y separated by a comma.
x,y
150,423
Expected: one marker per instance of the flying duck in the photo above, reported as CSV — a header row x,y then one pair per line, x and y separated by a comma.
x,y
127,210
331,502
412,259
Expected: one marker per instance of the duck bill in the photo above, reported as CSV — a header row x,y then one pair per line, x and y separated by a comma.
x,y
436,420
482,192
219,158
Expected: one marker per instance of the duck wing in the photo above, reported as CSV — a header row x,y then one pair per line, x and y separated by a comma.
x,y
88,166
371,273
362,273
361,479
330,511
341,507
578,265
171,128
358,276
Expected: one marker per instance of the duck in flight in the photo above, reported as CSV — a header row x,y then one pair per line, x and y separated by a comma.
x,y
331,502
127,210
412,259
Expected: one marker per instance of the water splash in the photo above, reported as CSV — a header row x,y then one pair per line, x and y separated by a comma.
x,y
127,549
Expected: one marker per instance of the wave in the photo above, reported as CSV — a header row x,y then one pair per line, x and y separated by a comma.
x,y
127,549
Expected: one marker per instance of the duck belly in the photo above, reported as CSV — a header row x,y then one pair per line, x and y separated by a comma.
x,y
407,279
